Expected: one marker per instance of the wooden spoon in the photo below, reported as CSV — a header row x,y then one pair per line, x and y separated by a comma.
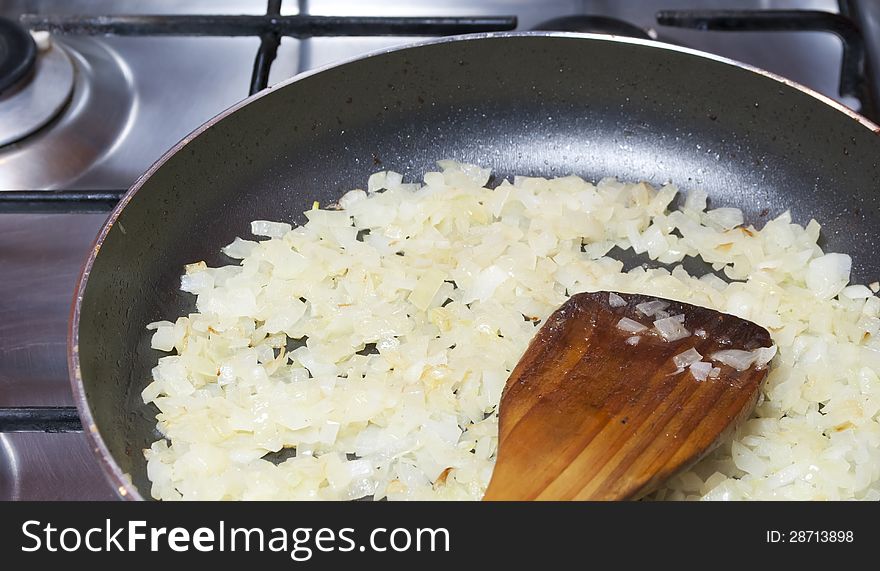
x,y
586,415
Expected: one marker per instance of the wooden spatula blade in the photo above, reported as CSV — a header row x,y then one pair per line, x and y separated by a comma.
x,y
586,414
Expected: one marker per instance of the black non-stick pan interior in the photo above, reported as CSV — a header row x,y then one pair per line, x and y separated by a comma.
x,y
540,105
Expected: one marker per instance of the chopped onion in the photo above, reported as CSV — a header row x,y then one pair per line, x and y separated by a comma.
x,y
352,197
649,308
428,286
630,325
714,281
727,218
671,329
615,300
275,353
696,200
736,358
857,292
700,370
485,284
764,355
828,274
269,229
685,359
240,249
742,360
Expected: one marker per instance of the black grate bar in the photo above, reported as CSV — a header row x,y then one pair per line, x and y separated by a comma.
x,y
269,43
301,26
852,73
58,201
866,15
40,419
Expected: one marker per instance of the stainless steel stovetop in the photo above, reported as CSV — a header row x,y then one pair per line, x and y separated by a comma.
x,y
131,98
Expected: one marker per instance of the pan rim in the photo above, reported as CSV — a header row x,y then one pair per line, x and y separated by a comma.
x,y
112,471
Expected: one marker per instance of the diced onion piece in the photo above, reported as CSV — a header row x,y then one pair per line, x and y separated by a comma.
x,y
649,308
240,249
634,340
671,329
828,275
157,324
630,325
377,181
764,355
163,338
428,286
615,300
685,359
352,197
714,281
727,218
736,358
696,200
742,360
701,370
269,229
857,292
485,284
701,333
715,372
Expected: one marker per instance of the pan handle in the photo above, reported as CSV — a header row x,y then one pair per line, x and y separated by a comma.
x,y
39,419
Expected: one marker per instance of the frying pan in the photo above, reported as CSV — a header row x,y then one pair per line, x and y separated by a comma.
x,y
536,103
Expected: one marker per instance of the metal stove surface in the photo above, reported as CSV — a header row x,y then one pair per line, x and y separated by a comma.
x,y
39,268
175,84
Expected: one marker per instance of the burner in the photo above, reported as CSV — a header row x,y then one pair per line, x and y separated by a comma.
x,y
17,53
34,101
593,25
84,94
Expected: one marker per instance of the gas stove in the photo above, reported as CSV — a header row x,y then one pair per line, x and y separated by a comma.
x,y
104,88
